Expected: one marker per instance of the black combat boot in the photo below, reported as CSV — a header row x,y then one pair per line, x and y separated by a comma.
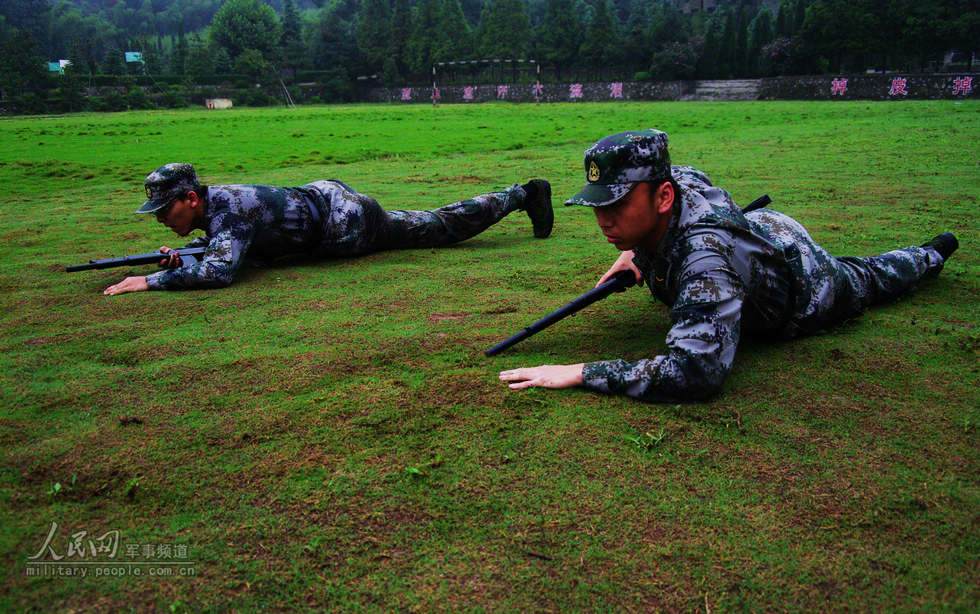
x,y
945,244
538,206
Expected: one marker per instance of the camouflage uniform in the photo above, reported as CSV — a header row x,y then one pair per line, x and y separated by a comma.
x,y
724,274
320,219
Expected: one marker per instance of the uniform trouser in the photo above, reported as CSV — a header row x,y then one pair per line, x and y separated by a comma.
x,y
829,290
357,224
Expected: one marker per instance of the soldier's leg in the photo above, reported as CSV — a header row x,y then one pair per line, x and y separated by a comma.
x,y
845,287
834,289
450,224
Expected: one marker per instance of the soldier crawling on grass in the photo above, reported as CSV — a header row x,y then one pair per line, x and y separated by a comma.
x,y
723,273
321,219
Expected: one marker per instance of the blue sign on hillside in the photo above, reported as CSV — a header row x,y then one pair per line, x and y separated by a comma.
x,y
134,56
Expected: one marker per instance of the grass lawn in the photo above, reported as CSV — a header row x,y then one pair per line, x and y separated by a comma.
x,y
330,434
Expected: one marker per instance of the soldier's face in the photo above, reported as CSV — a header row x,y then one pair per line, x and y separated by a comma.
x,y
180,215
638,219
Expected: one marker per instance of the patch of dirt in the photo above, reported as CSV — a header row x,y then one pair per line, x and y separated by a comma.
x,y
442,317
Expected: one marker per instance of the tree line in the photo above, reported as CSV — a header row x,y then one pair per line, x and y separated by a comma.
x,y
397,41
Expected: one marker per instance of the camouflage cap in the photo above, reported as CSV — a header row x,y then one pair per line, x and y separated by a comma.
x,y
167,183
617,162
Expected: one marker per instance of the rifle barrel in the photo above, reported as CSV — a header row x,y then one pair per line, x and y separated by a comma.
x,y
620,281
137,259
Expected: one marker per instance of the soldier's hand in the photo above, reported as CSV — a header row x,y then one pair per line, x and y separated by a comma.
x,y
545,376
623,263
130,284
171,262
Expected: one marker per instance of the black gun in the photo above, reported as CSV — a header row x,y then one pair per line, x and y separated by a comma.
x,y
617,283
188,255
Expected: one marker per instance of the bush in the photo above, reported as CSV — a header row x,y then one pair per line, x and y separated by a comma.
x,y
31,103
136,98
114,101
175,97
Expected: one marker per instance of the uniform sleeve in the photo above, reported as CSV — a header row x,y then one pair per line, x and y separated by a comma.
x,y
222,258
703,336
198,242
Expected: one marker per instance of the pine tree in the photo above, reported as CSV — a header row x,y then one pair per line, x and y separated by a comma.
x,y
292,51
760,34
601,45
180,51
419,48
560,35
373,33
455,40
401,30
726,52
505,30
741,42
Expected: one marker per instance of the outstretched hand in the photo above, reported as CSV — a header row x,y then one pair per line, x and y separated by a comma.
x,y
545,376
623,263
130,284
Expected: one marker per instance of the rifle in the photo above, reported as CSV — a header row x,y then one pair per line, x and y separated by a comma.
x,y
617,283
188,255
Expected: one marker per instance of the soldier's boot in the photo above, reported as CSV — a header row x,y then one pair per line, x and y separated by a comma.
x,y
945,244
537,204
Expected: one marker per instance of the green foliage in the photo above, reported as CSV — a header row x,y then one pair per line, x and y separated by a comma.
x,y
600,47
505,30
250,62
560,34
245,24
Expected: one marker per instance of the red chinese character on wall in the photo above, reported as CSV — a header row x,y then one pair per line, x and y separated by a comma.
x,y
898,87
616,90
575,90
962,85
502,91
406,93
838,87
468,92
537,90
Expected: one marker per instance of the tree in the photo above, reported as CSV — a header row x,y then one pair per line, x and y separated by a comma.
x,y
635,44
292,51
760,35
200,62
419,47
456,40
373,33
401,30
21,66
114,63
505,30
708,66
334,42
245,24
560,35
250,62
180,52
726,50
600,48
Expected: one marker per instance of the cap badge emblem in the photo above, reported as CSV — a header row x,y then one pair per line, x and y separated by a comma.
x,y
593,171
149,194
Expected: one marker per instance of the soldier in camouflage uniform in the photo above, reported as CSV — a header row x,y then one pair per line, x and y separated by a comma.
x,y
723,273
320,219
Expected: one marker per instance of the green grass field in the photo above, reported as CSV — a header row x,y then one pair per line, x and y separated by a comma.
x,y
330,434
